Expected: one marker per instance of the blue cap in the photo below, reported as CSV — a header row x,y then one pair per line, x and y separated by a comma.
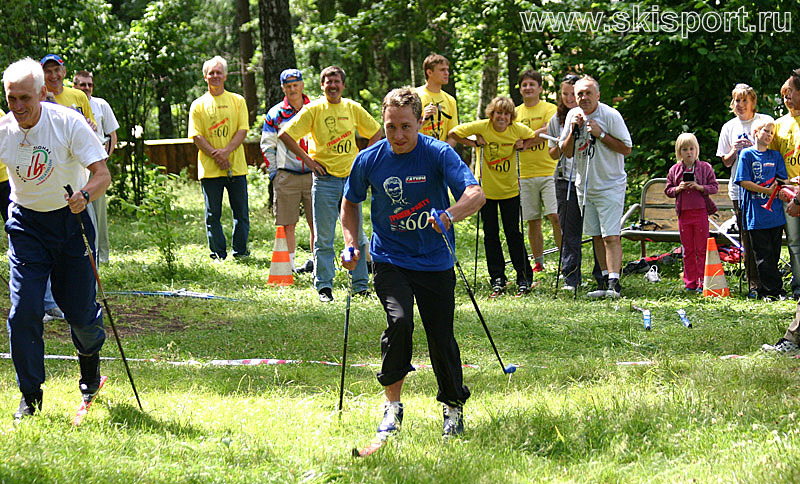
x,y
288,74
51,57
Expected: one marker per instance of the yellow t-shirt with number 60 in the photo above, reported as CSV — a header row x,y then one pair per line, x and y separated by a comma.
x,y
218,119
536,160
333,130
498,172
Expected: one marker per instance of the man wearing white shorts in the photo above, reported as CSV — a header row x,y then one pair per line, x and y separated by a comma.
x,y
601,141
537,186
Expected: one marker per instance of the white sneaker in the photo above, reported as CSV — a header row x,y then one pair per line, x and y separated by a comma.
x,y
392,419
567,287
782,346
453,421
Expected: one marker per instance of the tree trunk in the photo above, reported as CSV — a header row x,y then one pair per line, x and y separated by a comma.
x,y
513,76
246,52
166,128
277,46
412,69
488,86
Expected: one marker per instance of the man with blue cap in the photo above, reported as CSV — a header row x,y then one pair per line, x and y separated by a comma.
x,y
291,177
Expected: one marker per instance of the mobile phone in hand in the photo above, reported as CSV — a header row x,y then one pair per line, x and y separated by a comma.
x,y
688,176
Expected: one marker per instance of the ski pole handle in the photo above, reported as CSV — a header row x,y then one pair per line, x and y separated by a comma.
x,y
435,214
684,319
68,188
347,254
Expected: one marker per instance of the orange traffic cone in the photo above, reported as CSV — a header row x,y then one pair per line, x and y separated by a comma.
x,y
280,270
714,282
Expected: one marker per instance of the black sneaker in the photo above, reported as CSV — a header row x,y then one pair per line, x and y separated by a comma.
x,y
29,404
498,287
308,267
523,288
453,420
365,293
325,295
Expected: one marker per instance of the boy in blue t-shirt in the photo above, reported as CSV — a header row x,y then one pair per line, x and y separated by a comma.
x,y
758,171
409,174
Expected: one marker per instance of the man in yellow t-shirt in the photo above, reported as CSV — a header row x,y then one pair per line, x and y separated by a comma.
x,y
218,124
537,185
332,122
54,72
440,113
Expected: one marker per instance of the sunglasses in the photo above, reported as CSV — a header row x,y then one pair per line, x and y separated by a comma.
x,y
571,78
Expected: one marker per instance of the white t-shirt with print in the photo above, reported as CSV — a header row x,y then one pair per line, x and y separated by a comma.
x,y
48,156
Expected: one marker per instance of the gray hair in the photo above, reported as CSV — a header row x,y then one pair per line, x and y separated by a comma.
x,y
18,71
215,61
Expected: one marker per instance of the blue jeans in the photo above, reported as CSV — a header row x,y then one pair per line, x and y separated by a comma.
x,y
326,197
237,197
42,246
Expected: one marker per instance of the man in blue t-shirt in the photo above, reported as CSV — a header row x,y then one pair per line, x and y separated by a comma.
x,y
410,174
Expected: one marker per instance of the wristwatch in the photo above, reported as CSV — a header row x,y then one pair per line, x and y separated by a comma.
x,y
85,195
450,216
602,135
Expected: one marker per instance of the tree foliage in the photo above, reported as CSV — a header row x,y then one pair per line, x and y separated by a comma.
x,y
147,56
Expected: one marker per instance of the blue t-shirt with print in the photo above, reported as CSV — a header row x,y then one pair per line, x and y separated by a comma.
x,y
405,188
760,167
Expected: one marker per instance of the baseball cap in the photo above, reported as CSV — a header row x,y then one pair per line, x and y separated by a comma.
x,y
52,57
287,74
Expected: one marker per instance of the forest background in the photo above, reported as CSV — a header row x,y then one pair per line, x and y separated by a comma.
x,y
147,58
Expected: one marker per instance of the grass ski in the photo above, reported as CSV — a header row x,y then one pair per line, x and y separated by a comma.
x,y
373,447
83,409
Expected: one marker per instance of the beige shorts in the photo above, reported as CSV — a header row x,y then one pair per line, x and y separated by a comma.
x,y
289,191
535,192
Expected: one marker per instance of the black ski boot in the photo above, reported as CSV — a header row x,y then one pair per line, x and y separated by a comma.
x,y
90,375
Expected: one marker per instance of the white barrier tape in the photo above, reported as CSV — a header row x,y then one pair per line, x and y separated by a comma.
x,y
245,362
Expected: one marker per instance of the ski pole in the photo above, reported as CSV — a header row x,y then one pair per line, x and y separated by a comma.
x,y
68,188
347,256
477,225
529,277
566,220
511,368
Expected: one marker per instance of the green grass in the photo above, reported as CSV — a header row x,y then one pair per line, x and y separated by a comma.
x,y
569,414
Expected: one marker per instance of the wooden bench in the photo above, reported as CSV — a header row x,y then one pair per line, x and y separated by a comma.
x,y
658,221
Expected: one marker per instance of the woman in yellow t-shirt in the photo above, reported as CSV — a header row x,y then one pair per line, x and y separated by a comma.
x,y
499,137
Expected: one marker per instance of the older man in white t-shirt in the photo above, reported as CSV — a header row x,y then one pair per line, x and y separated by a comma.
x,y
601,141
46,147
